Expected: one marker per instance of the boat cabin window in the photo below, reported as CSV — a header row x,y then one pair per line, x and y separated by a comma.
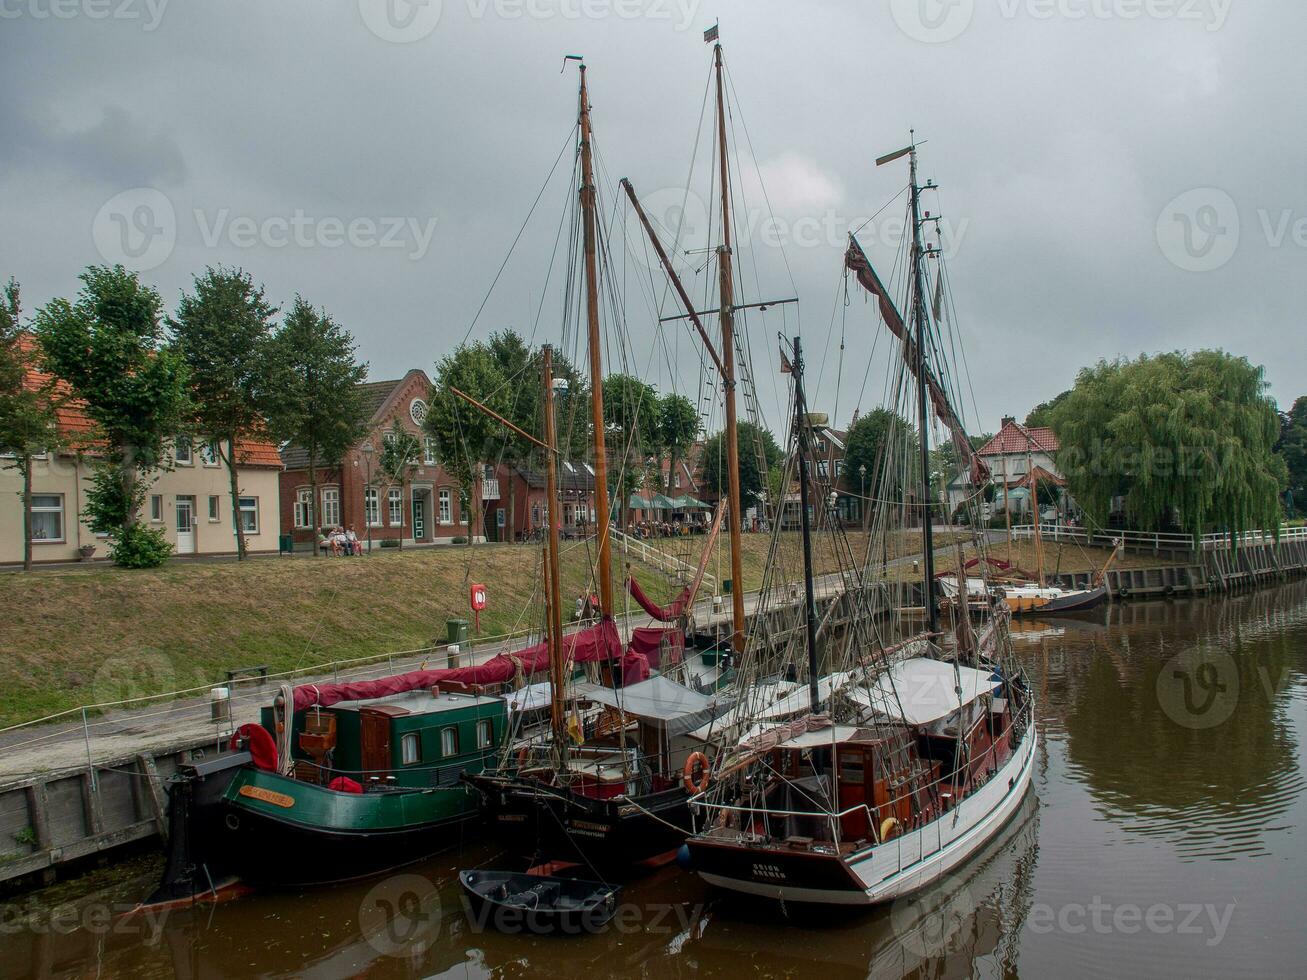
x,y
410,750
485,733
449,741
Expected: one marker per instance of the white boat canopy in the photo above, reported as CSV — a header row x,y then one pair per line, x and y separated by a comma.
x,y
533,697
672,707
926,690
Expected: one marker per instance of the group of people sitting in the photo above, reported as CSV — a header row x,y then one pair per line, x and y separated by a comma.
x,y
666,529
339,541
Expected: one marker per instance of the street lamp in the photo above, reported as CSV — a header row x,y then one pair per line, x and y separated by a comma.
x,y
367,451
862,500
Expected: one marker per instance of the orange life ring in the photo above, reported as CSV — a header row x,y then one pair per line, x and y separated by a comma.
x,y
701,761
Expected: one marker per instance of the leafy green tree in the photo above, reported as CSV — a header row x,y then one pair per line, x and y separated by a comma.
x,y
633,435
752,483
28,423
223,331
312,398
464,437
1293,449
108,346
886,444
678,427
1041,415
1184,438
400,452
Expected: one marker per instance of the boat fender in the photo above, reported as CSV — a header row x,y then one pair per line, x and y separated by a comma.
x,y
683,860
889,828
523,757
700,761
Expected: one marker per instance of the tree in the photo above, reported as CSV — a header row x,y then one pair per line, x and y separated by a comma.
x,y
1041,415
886,444
313,398
108,347
1183,438
400,452
631,418
463,435
223,332
28,423
752,482
1293,450
678,427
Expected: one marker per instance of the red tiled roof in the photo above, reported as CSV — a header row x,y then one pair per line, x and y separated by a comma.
x,y
78,429
1012,440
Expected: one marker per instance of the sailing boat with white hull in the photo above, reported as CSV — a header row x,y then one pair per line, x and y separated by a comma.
x,y
916,749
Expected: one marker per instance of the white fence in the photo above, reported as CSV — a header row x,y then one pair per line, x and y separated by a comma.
x,y
1155,540
642,549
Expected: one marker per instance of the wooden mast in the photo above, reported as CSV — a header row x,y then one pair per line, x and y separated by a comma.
x,y
727,314
809,596
1034,509
553,587
602,511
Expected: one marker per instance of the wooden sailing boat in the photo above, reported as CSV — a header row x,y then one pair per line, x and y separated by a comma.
x,y
912,754
620,798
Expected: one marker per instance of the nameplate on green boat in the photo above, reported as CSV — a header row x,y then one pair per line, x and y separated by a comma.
x,y
268,796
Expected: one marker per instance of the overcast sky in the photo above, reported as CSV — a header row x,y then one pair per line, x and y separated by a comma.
x,y
1118,176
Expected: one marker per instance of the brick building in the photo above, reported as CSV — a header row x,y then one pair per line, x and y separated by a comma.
x,y
427,510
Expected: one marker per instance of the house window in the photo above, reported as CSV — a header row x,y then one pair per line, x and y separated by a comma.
x,y
446,507
213,508
331,506
429,451
395,501
823,468
304,508
485,733
372,507
449,741
156,508
839,468
676,480
209,454
410,749
249,513
182,451
535,514
499,517
47,517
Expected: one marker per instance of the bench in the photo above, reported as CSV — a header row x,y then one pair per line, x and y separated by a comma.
x,y
238,674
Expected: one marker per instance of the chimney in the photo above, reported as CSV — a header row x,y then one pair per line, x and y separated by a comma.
x,y
1008,420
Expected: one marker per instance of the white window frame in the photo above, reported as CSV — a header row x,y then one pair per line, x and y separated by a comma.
x,y
445,503
410,741
177,457
429,451
215,508
448,734
331,506
209,455
303,515
243,510
372,506
395,507
156,508
485,733
48,509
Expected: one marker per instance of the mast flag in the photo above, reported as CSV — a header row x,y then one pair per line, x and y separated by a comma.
x,y
786,366
710,34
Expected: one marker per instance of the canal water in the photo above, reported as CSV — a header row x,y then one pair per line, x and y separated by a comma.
x,y
1165,836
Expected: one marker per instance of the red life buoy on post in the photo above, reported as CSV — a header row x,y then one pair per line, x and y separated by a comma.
x,y
259,742
697,760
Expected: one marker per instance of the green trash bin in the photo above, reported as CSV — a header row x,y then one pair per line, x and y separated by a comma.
x,y
727,586
286,544
456,630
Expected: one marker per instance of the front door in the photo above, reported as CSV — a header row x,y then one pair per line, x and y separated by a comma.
x,y
185,526
419,516
374,744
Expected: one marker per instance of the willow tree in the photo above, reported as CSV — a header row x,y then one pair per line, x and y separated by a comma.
x,y
1182,438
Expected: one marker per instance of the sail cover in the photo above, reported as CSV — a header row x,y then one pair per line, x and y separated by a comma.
x,y
661,702
598,643
920,691
668,613
856,260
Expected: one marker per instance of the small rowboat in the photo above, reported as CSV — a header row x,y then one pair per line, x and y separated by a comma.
x,y
537,904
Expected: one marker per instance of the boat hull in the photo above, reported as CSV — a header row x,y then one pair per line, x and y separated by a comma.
x,y
883,872
511,903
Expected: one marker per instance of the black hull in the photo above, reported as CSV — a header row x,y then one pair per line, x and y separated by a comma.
x,y
1089,599
539,823
581,906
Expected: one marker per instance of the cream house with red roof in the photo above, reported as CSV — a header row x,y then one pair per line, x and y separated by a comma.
x,y
191,502
1012,456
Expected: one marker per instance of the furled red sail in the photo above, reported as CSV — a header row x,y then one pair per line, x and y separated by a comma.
x,y
598,643
856,260
668,613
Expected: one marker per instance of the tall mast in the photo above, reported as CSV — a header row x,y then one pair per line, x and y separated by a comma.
x,y
809,597
557,711
602,514
923,418
1034,509
727,314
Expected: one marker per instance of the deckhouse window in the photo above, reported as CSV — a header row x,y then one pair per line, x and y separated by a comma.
x,y
410,749
449,741
485,733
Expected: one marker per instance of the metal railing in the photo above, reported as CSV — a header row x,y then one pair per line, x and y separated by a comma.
x,y
640,548
1156,540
